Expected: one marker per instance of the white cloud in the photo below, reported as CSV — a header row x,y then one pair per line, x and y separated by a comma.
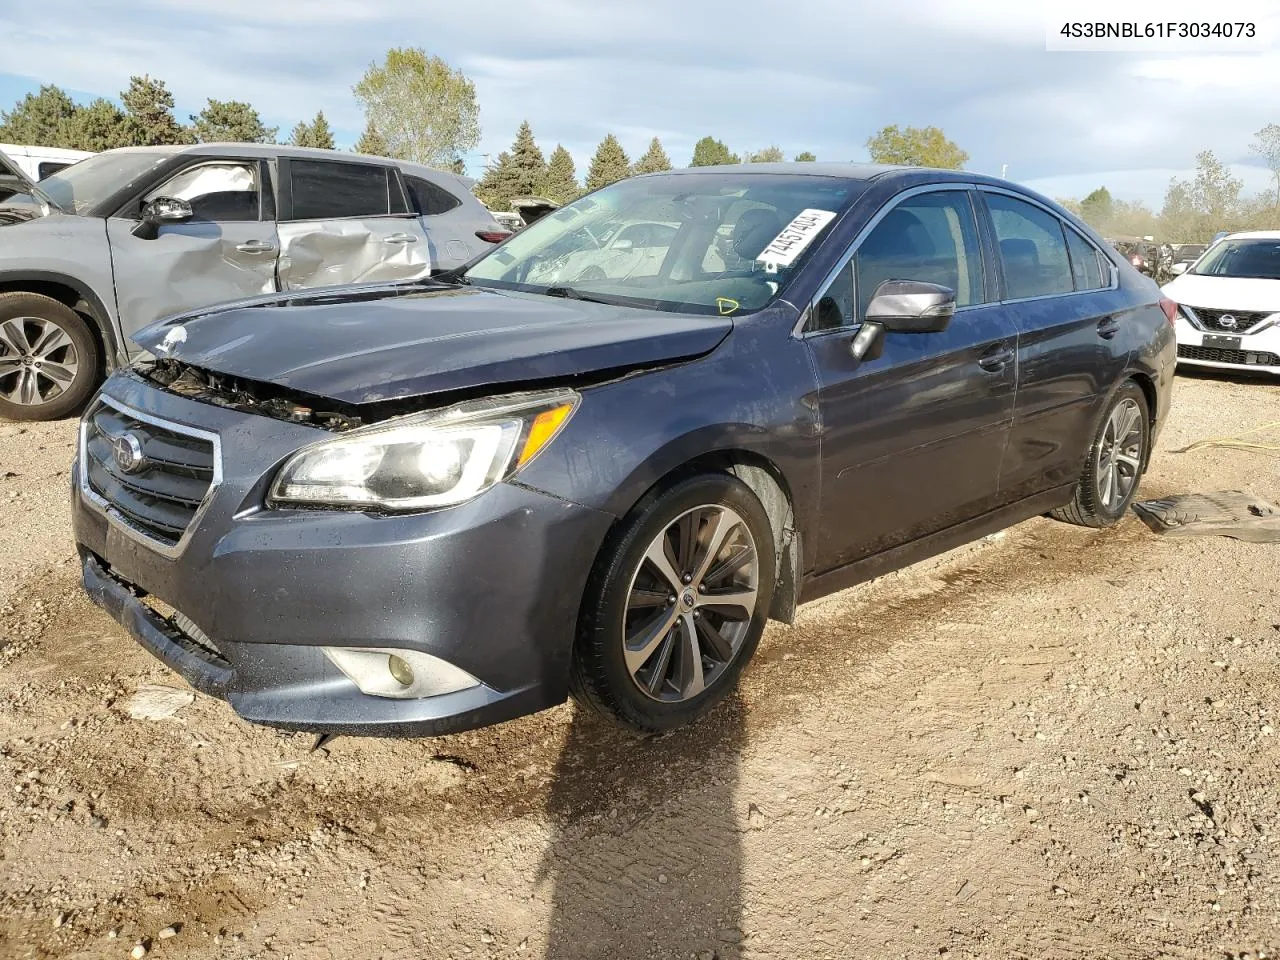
x,y
821,76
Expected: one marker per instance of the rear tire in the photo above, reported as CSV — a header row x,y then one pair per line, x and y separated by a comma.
x,y
49,358
655,651
1113,469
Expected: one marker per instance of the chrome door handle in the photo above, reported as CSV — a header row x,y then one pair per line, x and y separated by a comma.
x,y
400,238
255,246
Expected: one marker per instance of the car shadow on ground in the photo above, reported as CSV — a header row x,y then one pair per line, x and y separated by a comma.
x,y
645,856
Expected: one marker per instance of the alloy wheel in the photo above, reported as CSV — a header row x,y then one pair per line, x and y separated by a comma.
x,y
690,603
1120,453
38,360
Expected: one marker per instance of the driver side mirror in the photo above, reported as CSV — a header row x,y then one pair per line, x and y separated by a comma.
x,y
160,211
903,306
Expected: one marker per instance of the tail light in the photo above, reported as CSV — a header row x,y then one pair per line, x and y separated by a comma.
x,y
1170,309
493,236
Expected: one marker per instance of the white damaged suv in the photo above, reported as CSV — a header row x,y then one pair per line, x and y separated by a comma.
x,y
95,252
1229,305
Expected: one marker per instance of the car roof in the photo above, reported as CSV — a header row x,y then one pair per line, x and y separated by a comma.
x,y
842,171
1254,235
272,150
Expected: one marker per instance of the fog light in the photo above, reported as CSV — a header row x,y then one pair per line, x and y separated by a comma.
x,y
398,673
400,670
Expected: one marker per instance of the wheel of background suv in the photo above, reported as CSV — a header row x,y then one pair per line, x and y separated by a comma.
x,y
1114,466
676,605
48,358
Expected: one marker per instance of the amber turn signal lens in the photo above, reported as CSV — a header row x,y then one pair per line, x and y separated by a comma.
x,y
541,431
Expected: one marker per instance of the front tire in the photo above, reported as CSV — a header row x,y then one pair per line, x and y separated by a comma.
x,y
676,605
1113,469
48,358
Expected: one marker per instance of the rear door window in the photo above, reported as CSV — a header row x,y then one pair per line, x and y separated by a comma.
x,y
1033,249
328,190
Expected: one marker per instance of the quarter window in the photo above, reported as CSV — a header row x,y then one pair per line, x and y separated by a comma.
x,y
1032,248
931,237
1086,263
218,192
325,190
431,199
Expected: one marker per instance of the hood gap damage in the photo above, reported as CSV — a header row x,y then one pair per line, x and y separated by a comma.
x,y
281,403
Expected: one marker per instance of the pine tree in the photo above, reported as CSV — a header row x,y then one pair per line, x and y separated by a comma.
x,y
97,127
231,121
149,121
371,142
519,172
561,184
609,165
709,152
39,119
767,155
805,157
655,159
316,134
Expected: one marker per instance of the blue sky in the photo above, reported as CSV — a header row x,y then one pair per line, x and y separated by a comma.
x,y
822,76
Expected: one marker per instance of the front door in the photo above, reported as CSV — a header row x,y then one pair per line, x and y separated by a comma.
x,y
911,441
225,252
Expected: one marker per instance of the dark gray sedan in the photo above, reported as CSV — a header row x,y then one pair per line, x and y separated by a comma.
x,y
417,508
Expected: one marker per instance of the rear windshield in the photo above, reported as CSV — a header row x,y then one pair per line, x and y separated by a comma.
x,y
1255,259
719,243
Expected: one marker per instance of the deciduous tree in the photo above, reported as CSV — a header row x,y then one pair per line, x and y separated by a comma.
x,y
710,152
916,147
1096,209
772,154
805,157
1266,144
425,110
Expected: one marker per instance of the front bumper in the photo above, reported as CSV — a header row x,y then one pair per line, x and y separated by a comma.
x,y
492,586
1256,353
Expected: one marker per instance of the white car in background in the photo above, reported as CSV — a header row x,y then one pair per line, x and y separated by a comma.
x,y
1229,305
40,162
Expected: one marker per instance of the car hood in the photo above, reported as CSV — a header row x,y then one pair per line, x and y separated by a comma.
x,y
369,344
1225,293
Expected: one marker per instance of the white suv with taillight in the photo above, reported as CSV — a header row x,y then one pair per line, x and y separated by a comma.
x,y
1229,305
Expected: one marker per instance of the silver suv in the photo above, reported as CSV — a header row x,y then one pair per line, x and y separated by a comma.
x,y
97,251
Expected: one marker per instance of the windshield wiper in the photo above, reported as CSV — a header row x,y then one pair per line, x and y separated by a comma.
x,y
570,293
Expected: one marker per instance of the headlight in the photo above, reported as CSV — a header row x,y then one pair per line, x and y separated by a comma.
x,y
434,459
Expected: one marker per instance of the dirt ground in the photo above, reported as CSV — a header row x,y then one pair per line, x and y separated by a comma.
x,y
1057,743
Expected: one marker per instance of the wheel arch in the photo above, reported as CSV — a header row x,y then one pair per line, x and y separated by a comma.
x,y
767,481
75,295
1148,387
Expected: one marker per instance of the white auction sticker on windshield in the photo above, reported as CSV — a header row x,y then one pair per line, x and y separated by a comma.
x,y
795,236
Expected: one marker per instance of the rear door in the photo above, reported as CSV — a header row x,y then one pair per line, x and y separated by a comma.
x,y
912,440
225,252
451,235
347,222
1061,293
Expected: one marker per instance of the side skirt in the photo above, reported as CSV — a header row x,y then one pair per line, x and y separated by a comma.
x,y
898,557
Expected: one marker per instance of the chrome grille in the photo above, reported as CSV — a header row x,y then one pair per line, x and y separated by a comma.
x,y
1241,320
152,475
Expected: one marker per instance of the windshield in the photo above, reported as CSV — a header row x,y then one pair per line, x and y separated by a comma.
x,y
696,243
81,185
1257,259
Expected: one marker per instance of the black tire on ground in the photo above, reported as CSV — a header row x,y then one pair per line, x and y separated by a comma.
x,y
599,676
1090,507
23,316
